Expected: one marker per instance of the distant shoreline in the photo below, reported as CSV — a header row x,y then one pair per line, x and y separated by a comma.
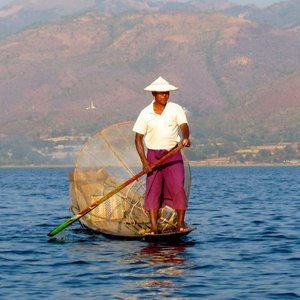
x,y
192,164
208,164
35,166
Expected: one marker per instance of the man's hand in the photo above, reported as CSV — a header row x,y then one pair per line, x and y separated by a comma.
x,y
146,166
186,142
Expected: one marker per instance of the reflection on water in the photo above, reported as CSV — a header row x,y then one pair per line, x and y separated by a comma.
x,y
162,264
163,254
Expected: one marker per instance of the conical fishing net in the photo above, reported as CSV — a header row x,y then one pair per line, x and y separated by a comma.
x,y
107,160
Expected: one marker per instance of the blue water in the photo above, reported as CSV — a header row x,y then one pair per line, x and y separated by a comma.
x,y
246,245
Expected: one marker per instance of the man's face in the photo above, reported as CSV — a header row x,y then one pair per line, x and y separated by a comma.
x,y
161,97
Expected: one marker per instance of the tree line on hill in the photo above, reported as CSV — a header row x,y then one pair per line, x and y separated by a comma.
x,y
17,150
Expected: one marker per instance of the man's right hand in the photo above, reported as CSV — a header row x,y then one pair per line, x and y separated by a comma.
x,y
146,166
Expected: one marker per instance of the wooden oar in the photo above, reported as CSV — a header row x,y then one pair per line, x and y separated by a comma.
x,y
76,217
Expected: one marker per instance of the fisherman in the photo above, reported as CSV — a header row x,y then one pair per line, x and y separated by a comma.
x,y
158,126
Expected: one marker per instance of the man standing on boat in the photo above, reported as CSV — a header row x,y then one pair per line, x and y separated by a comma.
x,y
158,125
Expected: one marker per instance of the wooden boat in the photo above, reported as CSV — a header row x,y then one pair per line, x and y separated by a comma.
x,y
106,160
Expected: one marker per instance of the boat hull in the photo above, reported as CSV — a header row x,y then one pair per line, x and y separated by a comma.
x,y
152,238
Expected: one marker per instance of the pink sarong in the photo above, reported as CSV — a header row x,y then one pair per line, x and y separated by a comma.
x,y
165,184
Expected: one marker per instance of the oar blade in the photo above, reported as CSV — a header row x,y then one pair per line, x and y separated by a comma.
x,y
63,226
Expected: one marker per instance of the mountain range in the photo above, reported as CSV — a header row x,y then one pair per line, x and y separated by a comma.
x,y
237,67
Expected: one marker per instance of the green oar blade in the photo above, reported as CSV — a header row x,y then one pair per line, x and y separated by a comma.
x,y
63,226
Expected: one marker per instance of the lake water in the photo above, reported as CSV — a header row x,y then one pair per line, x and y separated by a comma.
x,y
246,245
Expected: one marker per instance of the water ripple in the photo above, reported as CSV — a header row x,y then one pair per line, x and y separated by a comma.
x,y
246,245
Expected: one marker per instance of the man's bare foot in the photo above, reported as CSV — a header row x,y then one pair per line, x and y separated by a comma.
x,y
151,232
183,228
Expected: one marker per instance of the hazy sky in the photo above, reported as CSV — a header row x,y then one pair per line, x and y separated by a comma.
x,y
3,2
259,3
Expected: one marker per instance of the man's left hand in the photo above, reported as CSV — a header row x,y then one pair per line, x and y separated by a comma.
x,y
186,142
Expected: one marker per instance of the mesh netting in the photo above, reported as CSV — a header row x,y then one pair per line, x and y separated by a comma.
x,y
107,160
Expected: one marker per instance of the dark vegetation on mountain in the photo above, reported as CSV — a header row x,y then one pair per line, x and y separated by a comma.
x,y
284,14
239,79
22,14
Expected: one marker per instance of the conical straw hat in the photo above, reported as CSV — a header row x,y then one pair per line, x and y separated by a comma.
x,y
160,85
